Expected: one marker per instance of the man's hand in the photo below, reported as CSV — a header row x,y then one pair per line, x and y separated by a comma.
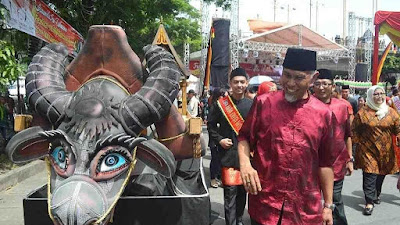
x,y
250,179
349,168
326,177
327,218
249,175
226,143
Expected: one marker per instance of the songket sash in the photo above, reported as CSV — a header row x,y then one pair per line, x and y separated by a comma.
x,y
229,175
231,113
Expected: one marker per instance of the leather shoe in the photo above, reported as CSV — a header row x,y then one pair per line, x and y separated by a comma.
x,y
214,183
368,211
377,201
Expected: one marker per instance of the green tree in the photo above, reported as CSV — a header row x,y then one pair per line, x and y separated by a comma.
x,y
18,39
392,64
225,4
3,13
139,18
10,68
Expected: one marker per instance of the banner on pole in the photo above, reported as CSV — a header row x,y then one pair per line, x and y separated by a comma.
x,y
36,18
219,64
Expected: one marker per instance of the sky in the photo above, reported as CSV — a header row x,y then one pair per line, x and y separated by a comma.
x,y
330,13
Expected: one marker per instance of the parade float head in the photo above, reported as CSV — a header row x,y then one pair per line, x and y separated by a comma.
x,y
97,107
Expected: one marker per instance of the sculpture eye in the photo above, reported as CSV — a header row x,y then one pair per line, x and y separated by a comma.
x,y
60,157
109,162
112,161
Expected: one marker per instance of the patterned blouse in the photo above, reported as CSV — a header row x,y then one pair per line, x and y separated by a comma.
x,y
375,152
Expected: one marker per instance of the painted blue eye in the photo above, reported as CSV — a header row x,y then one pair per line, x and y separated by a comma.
x,y
60,157
112,161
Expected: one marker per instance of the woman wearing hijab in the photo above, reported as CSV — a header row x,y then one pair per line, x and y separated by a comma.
x,y
372,129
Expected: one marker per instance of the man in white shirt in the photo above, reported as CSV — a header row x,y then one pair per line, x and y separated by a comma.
x,y
193,104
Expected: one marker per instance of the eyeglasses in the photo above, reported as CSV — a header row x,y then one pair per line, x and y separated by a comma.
x,y
296,78
324,85
379,94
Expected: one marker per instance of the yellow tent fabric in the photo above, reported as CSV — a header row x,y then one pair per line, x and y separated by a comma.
x,y
393,34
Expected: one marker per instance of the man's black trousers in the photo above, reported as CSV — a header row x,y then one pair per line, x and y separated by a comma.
x,y
234,204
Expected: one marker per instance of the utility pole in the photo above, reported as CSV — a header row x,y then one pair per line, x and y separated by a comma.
x,y
288,11
310,13
374,7
344,21
274,10
316,16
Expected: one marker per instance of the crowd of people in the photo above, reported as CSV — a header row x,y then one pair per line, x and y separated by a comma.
x,y
7,106
287,149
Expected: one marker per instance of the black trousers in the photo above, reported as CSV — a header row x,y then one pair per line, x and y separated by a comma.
x,y
339,217
372,186
215,164
234,204
253,222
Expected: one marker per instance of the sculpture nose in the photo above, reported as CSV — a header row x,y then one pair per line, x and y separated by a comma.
x,y
78,201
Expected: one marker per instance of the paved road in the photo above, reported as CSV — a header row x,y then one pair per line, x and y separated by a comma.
x,y
387,213
11,212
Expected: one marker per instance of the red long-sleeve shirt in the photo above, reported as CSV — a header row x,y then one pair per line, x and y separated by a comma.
x,y
342,131
291,141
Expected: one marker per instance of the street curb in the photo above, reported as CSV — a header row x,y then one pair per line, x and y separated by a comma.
x,y
19,174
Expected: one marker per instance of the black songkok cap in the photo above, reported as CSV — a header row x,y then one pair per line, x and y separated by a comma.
x,y
345,87
325,74
238,72
300,59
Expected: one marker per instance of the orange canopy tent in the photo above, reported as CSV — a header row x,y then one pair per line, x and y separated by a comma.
x,y
388,23
260,26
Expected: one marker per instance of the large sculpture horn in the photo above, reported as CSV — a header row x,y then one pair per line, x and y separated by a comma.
x,y
48,95
45,85
153,101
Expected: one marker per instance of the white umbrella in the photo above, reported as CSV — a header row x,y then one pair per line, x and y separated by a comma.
x,y
193,83
257,80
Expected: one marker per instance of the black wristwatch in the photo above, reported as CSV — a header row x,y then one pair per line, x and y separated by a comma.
x,y
350,160
329,206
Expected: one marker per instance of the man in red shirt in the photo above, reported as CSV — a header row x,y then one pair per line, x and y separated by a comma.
x,y
337,93
291,134
343,164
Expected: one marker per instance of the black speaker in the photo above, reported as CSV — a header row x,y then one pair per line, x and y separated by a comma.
x,y
361,72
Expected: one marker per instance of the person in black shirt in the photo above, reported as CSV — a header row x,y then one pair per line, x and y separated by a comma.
x,y
215,164
346,96
221,132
